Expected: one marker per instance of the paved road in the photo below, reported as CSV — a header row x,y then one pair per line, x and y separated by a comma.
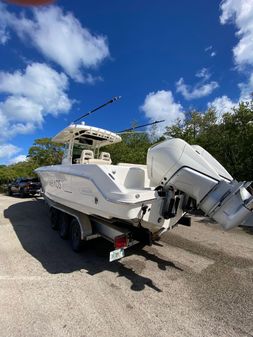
x,y
197,282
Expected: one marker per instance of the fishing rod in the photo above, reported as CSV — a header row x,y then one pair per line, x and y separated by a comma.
x,y
141,126
99,107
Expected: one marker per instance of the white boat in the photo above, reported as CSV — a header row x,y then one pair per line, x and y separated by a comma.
x,y
156,196
88,182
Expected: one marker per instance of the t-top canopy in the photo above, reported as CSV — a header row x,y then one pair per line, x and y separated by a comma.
x,y
86,134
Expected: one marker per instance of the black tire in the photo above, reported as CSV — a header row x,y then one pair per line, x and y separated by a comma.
x,y
9,192
75,236
22,193
54,218
64,225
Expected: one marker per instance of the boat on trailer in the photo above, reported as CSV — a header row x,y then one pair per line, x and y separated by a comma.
x,y
128,203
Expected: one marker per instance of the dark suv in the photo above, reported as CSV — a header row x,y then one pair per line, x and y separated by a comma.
x,y
25,187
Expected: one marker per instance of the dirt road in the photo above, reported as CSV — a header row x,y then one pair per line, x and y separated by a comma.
x,y
197,282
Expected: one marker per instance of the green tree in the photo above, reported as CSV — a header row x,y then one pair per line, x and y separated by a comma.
x,y
132,149
193,126
45,152
228,139
236,136
11,172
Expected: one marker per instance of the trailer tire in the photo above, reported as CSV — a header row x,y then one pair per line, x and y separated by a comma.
x,y
63,225
54,218
75,236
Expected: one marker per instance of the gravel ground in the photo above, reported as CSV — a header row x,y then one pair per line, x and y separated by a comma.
x,y
198,281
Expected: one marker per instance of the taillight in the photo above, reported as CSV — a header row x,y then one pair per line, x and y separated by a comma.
x,y
120,241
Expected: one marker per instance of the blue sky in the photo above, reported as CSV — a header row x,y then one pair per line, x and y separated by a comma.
x,y
164,58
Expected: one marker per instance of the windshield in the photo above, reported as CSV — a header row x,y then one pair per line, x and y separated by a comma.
x,y
77,151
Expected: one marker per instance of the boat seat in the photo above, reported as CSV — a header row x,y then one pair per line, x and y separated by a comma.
x,y
86,156
106,157
135,178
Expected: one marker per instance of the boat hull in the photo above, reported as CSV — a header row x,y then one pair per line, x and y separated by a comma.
x,y
103,190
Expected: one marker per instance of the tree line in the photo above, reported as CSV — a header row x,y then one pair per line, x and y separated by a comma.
x,y
228,138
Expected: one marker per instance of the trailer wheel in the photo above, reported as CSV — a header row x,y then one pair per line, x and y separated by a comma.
x,y
75,236
54,218
63,225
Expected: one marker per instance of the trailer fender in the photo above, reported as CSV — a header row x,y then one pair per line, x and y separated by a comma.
x,y
85,225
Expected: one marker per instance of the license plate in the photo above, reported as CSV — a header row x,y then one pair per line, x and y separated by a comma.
x,y
117,254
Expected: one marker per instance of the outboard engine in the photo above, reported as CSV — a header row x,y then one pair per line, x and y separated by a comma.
x,y
193,171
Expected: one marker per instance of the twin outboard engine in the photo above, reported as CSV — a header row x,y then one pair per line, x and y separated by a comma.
x,y
193,171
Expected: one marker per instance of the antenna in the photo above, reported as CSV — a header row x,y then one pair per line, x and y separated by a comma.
x,y
141,126
99,107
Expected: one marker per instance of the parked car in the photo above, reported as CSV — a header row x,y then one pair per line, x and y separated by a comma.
x,y
25,187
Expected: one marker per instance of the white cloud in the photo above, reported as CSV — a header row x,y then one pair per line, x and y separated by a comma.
x,y
21,109
8,150
18,159
161,105
9,129
32,94
222,105
201,89
210,51
246,89
208,48
41,84
4,36
203,73
240,13
59,37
